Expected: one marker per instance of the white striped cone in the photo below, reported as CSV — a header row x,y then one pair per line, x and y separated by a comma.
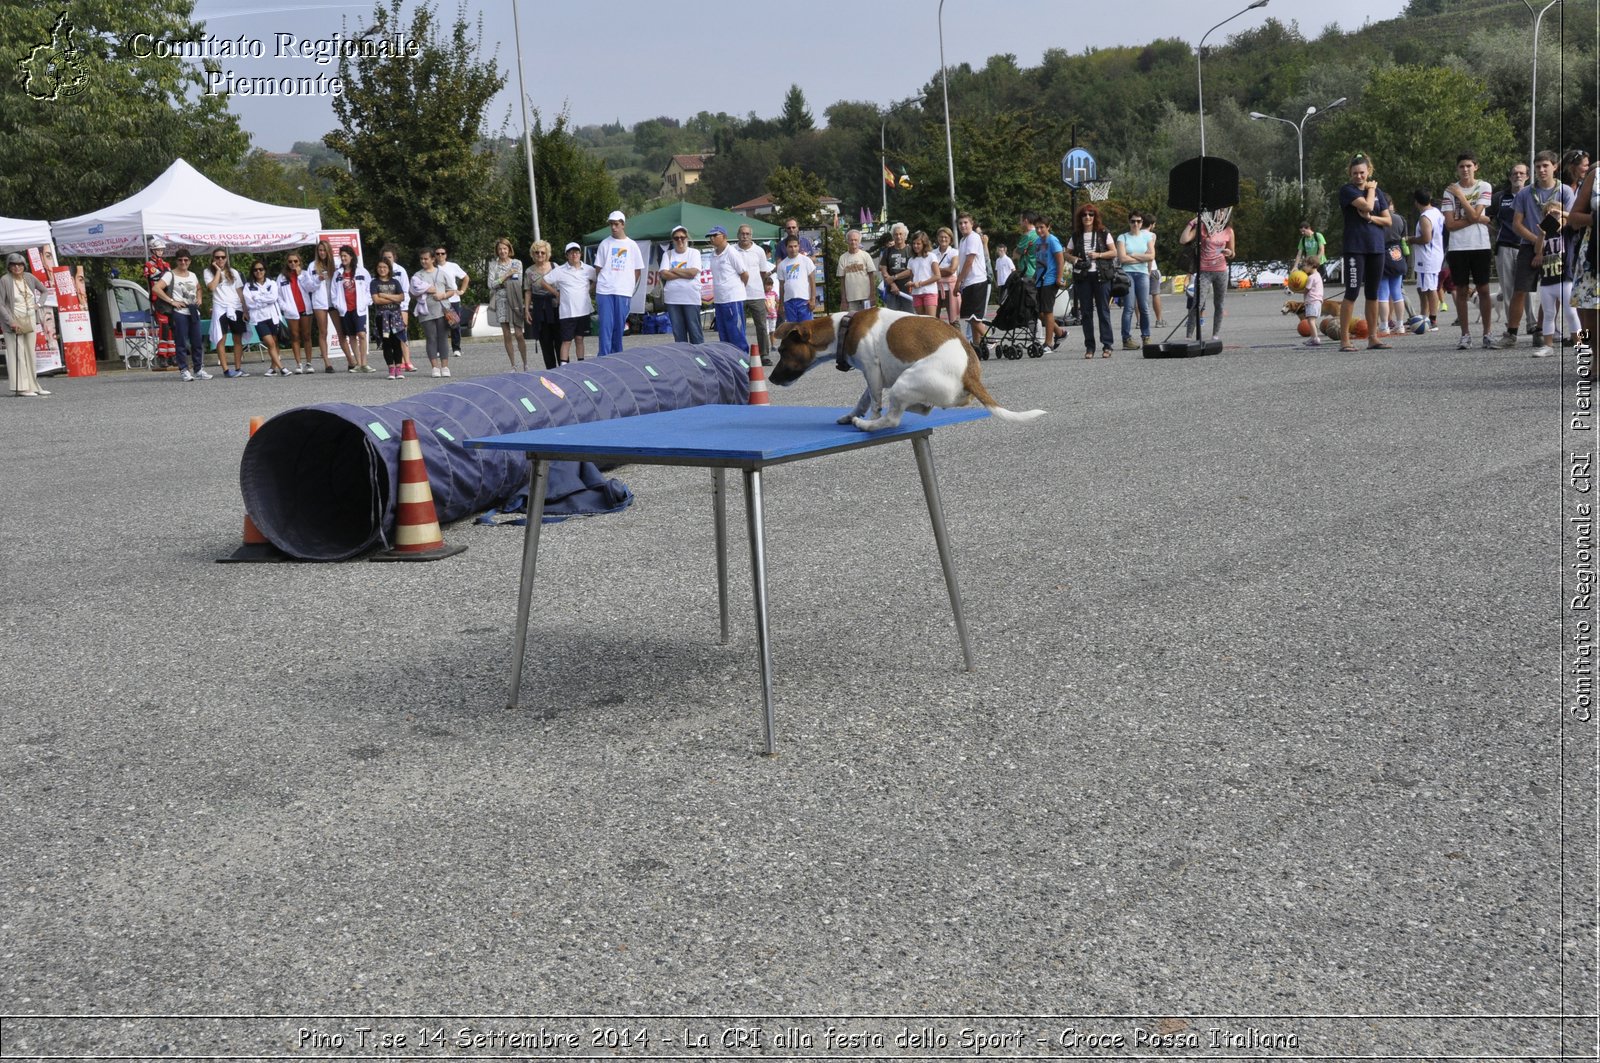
x,y
758,379
416,521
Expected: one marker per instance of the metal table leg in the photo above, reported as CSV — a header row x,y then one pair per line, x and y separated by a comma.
x,y
930,490
758,572
719,495
538,479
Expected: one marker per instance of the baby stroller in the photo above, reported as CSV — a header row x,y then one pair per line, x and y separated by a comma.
x,y
1011,328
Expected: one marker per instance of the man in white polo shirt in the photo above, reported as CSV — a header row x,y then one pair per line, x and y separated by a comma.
x,y
758,272
620,264
729,275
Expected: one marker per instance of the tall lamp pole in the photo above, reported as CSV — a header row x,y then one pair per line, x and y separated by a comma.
x,y
1199,76
883,168
527,138
1533,97
949,152
1300,138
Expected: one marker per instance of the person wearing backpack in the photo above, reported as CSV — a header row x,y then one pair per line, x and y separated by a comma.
x,y
1310,251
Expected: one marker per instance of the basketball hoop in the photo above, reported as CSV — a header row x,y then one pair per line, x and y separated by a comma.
x,y
1216,220
1098,190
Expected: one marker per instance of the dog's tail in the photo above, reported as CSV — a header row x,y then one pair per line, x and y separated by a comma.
x,y
973,382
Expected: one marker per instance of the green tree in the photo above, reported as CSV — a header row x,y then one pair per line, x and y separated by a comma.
x,y
411,128
1029,179
796,193
740,172
86,119
576,191
796,118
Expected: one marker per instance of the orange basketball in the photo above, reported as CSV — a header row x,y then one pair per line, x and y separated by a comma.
x,y
1305,327
1358,328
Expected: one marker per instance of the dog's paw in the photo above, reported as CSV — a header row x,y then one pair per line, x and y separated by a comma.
x,y
847,419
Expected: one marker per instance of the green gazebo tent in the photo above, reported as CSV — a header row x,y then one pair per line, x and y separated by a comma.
x,y
658,224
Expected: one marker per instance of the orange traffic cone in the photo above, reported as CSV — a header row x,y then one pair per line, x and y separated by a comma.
x,y
416,522
256,546
758,379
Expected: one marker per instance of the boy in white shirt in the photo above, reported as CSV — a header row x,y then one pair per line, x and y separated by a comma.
x,y
1003,266
797,275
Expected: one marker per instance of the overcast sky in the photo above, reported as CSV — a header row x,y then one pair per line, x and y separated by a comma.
x,y
629,60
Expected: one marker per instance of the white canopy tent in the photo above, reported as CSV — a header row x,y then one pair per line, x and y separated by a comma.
x,y
184,208
17,234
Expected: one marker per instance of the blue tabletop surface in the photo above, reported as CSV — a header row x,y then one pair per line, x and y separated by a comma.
x,y
739,434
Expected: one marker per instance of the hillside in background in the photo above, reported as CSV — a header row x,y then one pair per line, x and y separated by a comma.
x,y
1135,108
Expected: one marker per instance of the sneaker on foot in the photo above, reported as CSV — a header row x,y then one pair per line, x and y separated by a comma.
x,y
1313,342
437,371
455,354
1507,341
328,369
446,370
202,375
1543,351
1465,343
187,376
1488,344
1129,345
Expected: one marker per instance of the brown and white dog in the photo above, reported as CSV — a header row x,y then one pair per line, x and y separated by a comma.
x,y
911,362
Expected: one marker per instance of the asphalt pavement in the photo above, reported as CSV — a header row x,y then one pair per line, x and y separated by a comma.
x,y
1264,723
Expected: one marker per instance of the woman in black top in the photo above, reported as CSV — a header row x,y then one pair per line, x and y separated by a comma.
x,y
1092,254
542,309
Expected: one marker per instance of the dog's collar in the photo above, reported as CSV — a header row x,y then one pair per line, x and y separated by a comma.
x,y
840,361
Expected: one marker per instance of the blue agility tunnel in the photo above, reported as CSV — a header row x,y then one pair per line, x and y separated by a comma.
x,y
320,481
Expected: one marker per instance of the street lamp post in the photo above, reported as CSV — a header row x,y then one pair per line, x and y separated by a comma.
x,y
1300,138
1199,77
949,151
1533,97
527,138
883,168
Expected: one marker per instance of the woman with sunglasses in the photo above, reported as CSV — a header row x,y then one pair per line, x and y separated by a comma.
x,y
1136,250
261,302
541,310
179,290
1092,254
227,311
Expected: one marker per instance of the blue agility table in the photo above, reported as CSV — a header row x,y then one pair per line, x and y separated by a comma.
x,y
748,438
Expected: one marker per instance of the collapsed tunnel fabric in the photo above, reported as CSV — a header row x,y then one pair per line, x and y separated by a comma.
x,y
320,481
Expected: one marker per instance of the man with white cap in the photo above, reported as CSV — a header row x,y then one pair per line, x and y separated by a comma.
x,y
620,264
21,295
729,272
680,287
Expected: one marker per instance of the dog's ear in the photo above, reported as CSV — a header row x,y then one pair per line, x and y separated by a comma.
x,y
784,329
